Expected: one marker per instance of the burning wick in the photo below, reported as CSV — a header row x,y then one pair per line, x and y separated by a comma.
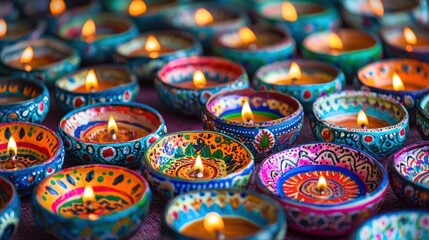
x,y
213,223
321,185
362,119
198,167
112,128
246,113
12,149
88,197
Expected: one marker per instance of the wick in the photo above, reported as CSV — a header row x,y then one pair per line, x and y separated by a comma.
x,y
219,235
249,120
12,158
199,173
294,81
253,47
113,135
322,192
363,126
89,207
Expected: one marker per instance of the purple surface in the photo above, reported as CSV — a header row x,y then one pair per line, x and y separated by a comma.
x,y
150,229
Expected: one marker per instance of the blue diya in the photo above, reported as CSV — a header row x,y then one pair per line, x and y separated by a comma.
x,y
315,79
28,154
189,160
254,46
43,59
422,117
10,209
409,174
113,83
19,30
147,53
92,202
179,83
353,189
23,100
397,225
301,17
244,214
88,138
277,119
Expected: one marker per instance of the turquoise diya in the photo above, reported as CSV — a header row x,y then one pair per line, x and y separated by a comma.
x,y
190,160
23,100
92,202
325,189
98,84
10,209
96,38
43,59
348,49
375,124
306,80
13,32
397,225
111,133
301,17
409,174
185,84
28,154
265,122
147,53
212,214
254,46
422,117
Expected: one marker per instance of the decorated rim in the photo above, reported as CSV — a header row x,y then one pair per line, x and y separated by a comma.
x,y
29,29
42,8
424,106
36,94
74,119
8,192
149,160
390,7
47,189
293,107
381,182
256,198
54,149
153,7
402,114
376,74
272,10
388,33
181,69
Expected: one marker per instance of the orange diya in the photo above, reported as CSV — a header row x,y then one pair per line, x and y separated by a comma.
x,y
29,60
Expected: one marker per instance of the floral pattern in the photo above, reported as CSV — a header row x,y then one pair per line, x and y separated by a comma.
x,y
264,141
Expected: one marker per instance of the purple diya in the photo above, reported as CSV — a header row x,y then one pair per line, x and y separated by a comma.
x,y
29,153
265,122
409,174
10,209
12,32
326,189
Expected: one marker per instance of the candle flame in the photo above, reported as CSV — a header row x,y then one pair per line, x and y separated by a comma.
x,y
294,72
57,7
410,38
289,12
89,30
246,35
111,125
335,42
88,194
11,146
198,164
397,83
199,79
152,46
3,28
137,8
321,183
376,7
203,17
213,223
27,55
246,112
91,82
362,119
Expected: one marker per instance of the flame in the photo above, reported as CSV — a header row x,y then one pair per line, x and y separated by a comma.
x,y
321,183
57,7
397,83
27,55
289,12
294,72
246,112
11,146
111,125
91,82
89,30
335,42
199,79
246,35
213,222
152,46
376,7
203,17
137,8
410,38
362,119
198,164
3,28
88,194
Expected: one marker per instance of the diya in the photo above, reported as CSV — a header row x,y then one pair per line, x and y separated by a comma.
x,y
91,202
348,49
402,224
375,124
23,100
111,133
43,59
28,153
306,80
96,38
10,209
150,15
186,84
196,160
213,214
13,32
326,189
301,17
409,174
149,52
98,84
265,122
422,117
254,46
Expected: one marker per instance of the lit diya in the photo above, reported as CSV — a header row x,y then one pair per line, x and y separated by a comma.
x,y
254,46
12,32
10,209
223,214
149,52
44,59
111,133
300,17
93,201
375,124
101,83
183,161
186,84
305,80
28,154
326,189
149,15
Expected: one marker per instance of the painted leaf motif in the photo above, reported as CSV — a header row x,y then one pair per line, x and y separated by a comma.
x,y
218,154
206,152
